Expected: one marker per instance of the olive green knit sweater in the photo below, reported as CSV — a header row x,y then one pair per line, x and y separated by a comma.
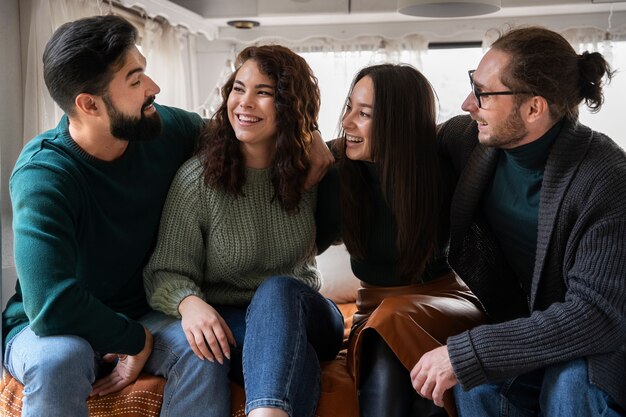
x,y
220,247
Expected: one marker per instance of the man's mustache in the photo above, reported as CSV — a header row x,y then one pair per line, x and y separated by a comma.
x,y
148,102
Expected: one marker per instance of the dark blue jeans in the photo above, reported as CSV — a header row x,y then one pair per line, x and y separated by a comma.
x,y
282,336
559,390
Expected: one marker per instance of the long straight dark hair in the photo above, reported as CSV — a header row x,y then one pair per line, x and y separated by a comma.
x,y
404,150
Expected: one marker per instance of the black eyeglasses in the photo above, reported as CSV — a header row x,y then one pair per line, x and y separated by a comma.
x,y
479,94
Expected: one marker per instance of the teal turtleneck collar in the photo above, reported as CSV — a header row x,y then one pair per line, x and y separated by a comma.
x,y
533,156
511,202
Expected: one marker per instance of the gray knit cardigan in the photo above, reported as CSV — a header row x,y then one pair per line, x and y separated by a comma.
x,y
577,305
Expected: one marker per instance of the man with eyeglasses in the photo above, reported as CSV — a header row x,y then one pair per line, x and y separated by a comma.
x,y
538,232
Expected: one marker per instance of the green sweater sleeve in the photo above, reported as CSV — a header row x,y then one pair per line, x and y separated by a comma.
x,y
175,269
55,300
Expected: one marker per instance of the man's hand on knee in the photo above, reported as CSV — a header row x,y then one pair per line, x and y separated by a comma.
x,y
433,375
126,370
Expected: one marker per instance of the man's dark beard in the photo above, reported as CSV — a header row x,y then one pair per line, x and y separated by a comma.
x,y
132,128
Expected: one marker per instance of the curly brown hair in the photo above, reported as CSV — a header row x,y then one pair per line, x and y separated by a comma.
x,y
297,102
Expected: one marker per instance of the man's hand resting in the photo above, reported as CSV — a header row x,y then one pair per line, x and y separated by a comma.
x,y
126,370
433,375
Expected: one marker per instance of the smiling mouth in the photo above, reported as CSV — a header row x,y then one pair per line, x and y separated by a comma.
x,y
148,103
247,119
354,139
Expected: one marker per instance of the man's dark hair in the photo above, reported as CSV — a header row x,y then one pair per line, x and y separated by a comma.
x,y
545,64
83,55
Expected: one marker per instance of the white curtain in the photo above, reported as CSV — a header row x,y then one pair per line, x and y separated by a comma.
x,y
171,56
348,56
335,63
170,52
43,18
611,43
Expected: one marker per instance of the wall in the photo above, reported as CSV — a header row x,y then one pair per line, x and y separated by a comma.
x,y
11,116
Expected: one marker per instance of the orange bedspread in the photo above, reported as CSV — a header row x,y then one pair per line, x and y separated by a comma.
x,y
143,398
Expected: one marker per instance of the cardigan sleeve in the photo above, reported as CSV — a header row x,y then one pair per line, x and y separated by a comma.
x,y
175,269
590,321
456,139
586,261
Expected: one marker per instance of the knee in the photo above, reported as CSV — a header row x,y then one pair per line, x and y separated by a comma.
x,y
185,365
565,380
206,370
481,397
567,374
378,360
278,285
172,355
566,390
171,341
384,383
66,352
69,359
278,289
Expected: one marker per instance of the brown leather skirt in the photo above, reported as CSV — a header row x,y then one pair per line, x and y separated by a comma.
x,y
414,319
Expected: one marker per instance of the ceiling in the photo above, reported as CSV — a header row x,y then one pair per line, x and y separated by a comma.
x,y
315,12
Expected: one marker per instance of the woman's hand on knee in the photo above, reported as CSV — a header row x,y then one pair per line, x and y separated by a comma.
x,y
206,331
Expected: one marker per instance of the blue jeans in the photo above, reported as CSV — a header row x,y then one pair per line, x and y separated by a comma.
x,y
559,390
57,373
285,332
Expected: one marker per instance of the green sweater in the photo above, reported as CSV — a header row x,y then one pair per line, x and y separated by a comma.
x,y
84,229
220,247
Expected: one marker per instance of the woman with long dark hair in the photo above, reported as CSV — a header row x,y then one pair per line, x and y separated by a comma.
x,y
388,200
235,258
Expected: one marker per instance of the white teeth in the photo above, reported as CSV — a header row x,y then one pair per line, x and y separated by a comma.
x,y
354,139
249,119
481,123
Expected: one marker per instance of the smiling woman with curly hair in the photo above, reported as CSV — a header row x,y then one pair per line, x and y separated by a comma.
x,y
296,100
237,242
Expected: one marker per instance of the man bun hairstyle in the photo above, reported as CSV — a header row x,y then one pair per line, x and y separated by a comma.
x,y
544,63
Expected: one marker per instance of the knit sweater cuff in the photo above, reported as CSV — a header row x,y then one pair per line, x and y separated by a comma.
x,y
465,362
168,302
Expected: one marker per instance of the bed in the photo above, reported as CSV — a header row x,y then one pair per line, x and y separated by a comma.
x,y
143,398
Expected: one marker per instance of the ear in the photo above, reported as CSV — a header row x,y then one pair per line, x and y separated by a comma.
x,y
536,109
88,104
